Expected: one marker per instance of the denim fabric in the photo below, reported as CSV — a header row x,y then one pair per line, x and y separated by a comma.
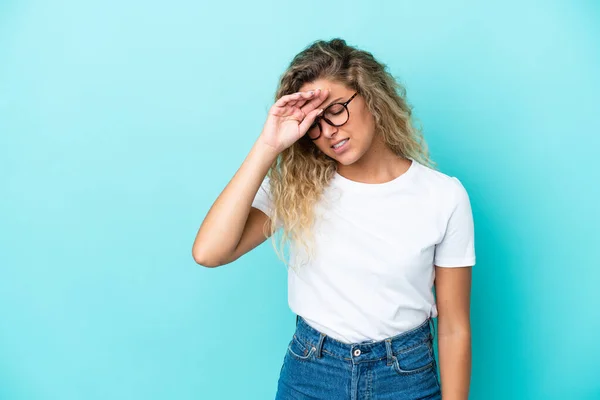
x,y
400,367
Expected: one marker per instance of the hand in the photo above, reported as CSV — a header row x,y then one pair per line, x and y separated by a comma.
x,y
290,117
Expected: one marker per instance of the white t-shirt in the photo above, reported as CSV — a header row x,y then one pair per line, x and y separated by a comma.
x,y
372,273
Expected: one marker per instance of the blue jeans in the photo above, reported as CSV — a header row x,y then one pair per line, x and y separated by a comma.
x,y
400,367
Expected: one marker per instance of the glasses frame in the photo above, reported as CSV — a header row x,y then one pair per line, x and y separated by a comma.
x,y
321,117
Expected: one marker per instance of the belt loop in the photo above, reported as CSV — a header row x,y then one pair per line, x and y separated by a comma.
x,y
296,319
320,345
389,352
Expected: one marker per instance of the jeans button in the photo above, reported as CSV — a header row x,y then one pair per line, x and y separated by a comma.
x,y
357,352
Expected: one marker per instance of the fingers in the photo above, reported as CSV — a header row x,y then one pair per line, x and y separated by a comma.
x,y
308,120
290,98
315,102
317,98
298,99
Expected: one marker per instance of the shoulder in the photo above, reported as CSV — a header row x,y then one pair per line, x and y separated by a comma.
x,y
448,189
443,183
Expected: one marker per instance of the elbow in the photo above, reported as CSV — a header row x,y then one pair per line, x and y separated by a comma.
x,y
202,259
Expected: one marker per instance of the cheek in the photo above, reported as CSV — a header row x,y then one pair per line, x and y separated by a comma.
x,y
368,121
324,148
362,129
361,121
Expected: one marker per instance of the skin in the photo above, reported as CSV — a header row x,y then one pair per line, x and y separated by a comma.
x,y
453,297
368,159
232,228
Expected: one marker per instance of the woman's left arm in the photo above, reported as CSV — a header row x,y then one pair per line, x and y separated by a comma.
x,y
453,298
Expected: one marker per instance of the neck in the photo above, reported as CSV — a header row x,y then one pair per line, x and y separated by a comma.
x,y
378,165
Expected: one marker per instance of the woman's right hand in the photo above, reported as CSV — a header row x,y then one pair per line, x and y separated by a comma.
x,y
290,117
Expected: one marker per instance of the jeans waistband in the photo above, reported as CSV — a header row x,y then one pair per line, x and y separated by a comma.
x,y
364,351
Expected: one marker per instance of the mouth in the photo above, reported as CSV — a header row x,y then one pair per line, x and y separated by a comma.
x,y
338,142
341,145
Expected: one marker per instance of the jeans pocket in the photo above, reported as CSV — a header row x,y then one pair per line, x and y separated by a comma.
x,y
300,350
415,359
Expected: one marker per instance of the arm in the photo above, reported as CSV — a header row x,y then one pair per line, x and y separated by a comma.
x,y
230,228
453,288
220,232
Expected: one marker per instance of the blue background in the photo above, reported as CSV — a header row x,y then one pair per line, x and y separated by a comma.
x,y
121,122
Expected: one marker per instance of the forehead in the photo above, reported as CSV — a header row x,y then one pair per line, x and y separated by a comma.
x,y
336,89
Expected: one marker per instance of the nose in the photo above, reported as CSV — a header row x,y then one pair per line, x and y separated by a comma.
x,y
327,130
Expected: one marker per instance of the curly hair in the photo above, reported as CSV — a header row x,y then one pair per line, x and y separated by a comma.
x,y
299,175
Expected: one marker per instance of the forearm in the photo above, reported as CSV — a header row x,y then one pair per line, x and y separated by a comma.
x,y
224,223
454,353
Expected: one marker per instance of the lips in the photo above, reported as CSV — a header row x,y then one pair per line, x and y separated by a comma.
x,y
339,141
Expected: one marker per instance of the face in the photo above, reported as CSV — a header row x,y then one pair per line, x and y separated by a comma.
x,y
359,129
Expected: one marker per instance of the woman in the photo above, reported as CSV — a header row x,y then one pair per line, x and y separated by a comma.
x,y
373,228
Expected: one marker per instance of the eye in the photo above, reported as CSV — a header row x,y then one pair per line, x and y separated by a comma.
x,y
335,109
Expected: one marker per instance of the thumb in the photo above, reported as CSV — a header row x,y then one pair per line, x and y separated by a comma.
x,y
309,119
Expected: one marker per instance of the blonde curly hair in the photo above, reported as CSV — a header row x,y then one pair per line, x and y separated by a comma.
x,y
299,175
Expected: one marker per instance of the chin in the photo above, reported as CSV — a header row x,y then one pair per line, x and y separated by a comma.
x,y
345,159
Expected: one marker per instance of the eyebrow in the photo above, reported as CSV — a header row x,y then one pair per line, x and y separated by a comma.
x,y
339,98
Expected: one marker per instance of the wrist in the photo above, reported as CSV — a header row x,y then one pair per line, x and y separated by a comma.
x,y
265,150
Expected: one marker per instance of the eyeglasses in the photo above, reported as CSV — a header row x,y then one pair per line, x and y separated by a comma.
x,y
336,114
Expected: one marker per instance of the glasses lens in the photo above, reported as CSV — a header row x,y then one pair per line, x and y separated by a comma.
x,y
314,131
337,114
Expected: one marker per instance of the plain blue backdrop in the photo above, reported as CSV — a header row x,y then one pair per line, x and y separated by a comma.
x,y
121,122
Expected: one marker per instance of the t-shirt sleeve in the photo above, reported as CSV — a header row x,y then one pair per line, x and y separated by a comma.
x,y
263,199
457,248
